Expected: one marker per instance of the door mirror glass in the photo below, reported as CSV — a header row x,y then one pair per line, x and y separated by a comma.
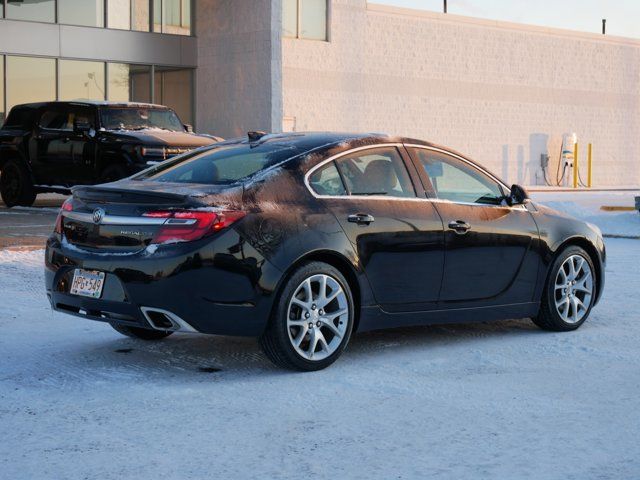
x,y
517,195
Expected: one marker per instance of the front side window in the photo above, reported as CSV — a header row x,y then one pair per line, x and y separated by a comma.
x,y
127,118
305,19
457,181
378,171
55,120
326,181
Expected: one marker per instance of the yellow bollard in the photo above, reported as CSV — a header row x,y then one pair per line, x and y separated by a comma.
x,y
575,165
589,166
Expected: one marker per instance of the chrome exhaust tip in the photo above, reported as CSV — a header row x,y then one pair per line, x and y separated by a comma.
x,y
164,320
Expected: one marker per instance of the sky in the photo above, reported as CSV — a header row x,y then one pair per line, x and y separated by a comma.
x,y
623,16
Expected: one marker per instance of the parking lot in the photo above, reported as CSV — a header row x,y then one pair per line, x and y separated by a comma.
x,y
29,227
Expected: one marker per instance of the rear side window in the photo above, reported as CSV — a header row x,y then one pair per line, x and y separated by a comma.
x,y
55,120
20,117
223,164
327,181
379,171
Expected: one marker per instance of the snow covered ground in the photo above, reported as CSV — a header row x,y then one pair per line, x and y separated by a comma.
x,y
501,401
586,206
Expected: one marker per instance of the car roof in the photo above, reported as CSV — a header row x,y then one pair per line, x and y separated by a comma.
x,y
95,103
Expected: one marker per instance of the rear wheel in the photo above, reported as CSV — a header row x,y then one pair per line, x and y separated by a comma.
x,y
141,333
312,320
569,292
16,187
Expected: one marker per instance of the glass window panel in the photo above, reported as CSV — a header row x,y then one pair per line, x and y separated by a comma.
x,y
34,10
140,83
140,15
2,111
173,20
119,14
157,15
457,181
379,171
174,88
185,21
290,18
119,82
327,181
79,79
30,79
81,12
313,19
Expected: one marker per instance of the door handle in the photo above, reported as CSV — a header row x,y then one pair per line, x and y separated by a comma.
x,y
459,226
361,218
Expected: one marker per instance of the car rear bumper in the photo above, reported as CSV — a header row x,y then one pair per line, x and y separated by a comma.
x,y
196,286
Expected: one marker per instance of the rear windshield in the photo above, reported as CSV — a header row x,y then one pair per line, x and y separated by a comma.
x,y
223,164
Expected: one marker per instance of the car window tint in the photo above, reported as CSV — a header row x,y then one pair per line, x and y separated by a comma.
x,y
457,181
81,115
327,181
222,164
55,120
379,171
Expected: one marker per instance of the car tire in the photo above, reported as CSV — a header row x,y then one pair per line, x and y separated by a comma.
x,y
141,333
16,187
308,333
112,173
569,292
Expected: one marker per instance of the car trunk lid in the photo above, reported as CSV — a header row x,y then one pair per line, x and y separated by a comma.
x,y
127,216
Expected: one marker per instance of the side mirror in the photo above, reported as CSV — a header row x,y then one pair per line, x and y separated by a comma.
x,y
188,128
517,196
81,126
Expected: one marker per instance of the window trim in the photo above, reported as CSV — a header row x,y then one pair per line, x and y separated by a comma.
x,y
417,198
297,35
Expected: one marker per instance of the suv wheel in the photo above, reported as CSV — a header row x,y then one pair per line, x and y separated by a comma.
x,y
312,319
16,187
569,292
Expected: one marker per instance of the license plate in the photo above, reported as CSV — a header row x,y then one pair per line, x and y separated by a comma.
x,y
87,283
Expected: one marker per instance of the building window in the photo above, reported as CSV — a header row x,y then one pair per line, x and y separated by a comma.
x,y
34,10
2,110
30,79
128,83
81,80
88,13
172,16
305,19
174,88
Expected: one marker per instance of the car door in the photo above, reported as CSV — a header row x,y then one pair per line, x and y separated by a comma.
x,y
83,143
490,256
51,149
397,233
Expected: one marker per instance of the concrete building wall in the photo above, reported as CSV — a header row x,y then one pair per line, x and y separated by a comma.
x,y
238,80
502,93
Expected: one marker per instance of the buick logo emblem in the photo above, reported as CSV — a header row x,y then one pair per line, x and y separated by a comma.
x,y
98,215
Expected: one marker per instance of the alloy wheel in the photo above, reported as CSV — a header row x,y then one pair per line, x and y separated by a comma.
x,y
317,317
573,289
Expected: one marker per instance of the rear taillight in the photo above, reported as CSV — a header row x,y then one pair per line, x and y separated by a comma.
x,y
67,206
189,225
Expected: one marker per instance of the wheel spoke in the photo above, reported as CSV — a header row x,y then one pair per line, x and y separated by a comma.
x,y
300,303
301,334
331,326
332,297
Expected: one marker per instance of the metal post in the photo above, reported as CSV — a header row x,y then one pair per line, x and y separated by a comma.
x,y
589,166
445,6
604,26
575,165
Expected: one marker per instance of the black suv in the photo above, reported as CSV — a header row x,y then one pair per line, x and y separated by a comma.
x,y
48,147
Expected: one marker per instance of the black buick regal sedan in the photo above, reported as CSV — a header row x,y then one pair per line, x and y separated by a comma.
x,y
301,239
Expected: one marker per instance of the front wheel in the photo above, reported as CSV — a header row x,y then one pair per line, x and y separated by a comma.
x,y
312,319
569,292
